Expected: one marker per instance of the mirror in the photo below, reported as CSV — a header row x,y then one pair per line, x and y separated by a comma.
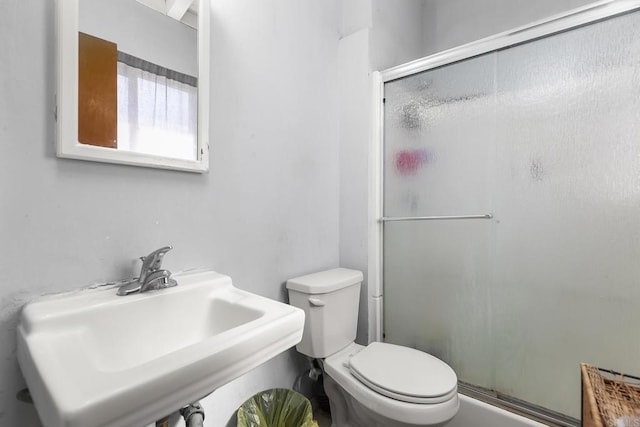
x,y
133,82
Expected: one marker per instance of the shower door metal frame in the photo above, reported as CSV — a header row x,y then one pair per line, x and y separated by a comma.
x,y
555,24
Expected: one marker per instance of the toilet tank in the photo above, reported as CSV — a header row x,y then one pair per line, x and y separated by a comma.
x,y
330,302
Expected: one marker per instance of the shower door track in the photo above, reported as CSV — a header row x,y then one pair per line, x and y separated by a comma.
x,y
516,406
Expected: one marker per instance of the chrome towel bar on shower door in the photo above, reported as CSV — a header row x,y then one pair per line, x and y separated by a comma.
x,y
433,218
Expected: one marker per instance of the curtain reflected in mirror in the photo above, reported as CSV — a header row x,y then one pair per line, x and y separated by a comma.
x,y
156,110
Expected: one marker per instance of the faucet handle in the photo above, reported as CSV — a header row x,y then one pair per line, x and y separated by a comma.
x,y
153,261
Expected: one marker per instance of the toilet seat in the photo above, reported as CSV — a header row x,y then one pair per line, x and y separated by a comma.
x,y
404,374
337,367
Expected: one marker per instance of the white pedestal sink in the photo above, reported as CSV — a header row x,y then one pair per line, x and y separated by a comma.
x,y
92,358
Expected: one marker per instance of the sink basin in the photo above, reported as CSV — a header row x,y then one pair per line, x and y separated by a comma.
x,y
92,358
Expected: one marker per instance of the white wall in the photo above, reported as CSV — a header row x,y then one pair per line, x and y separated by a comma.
x,y
450,23
397,32
267,210
376,34
354,134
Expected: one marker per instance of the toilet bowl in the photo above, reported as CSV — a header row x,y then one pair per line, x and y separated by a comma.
x,y
381,384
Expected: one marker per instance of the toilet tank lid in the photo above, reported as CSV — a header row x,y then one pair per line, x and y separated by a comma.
x,y
325,281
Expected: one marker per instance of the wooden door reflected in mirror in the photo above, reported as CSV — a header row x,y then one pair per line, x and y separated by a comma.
x,y
97,91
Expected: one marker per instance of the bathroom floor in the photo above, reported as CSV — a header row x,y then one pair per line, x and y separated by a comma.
x,y
320,415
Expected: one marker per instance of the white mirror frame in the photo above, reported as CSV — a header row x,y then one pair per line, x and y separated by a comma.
x,y
68,146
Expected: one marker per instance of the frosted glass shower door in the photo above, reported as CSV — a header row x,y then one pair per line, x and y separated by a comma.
x,y
546,136
567,194
439,137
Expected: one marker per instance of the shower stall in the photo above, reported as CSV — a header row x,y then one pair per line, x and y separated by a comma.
x,y
510,211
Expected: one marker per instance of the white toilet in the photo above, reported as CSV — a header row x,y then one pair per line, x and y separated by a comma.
x,y
380,385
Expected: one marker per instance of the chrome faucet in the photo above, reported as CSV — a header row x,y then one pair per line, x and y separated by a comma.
x,y
151,275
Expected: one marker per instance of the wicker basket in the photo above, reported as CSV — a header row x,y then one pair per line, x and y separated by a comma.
x,y
609,399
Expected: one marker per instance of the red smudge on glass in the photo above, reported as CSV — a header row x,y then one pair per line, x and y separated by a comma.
x,y
408,162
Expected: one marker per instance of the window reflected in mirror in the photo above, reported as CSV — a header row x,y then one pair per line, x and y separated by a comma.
x,y
157,109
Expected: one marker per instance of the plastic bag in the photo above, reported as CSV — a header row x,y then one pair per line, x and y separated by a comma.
x,y
277,407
